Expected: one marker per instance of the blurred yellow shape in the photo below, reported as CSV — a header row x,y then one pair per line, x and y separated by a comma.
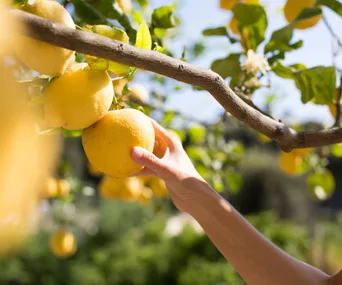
x,y
63,243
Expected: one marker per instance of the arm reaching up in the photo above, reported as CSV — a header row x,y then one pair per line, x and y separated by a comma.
x,y
258,261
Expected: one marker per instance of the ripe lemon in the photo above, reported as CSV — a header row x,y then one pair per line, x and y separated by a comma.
x,y
229,4
121,188
39,56
292,10
158,187
79,98
138,94
108,143
63,187
26,159
93,170
63,243
50,188
145,195
290,162
125,5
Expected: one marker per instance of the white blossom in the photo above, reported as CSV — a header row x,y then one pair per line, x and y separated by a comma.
x,y
253,83
255,63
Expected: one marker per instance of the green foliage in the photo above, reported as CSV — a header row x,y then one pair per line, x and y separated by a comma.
x,y
131,247
321,184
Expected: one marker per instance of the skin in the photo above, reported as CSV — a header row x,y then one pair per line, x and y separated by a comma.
x,y
255,258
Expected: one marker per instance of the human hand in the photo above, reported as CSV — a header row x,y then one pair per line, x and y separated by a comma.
x,y
182,180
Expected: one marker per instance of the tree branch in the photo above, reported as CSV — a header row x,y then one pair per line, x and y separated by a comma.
x,y
96,45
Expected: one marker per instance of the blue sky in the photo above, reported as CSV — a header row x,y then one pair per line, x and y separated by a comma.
x,y
197,15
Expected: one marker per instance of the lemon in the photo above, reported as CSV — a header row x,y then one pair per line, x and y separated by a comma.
x,y
79,98
121,188
108,143
145,195
39,56
138,94
290,162
63,243
50,188
227,4
93,171
158,187
292,10
125,5
63,188
26,159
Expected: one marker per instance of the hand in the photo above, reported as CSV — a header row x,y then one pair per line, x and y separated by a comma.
x,y
182,180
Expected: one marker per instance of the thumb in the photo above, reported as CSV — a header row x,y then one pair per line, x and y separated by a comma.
x,y
149,160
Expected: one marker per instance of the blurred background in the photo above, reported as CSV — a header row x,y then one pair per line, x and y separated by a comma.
x,y
295,202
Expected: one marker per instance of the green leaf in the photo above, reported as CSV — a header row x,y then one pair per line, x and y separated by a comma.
x,y
287,71
144,39
227,67
197,134
308,13
74,134
334,5
336,149
88,13
110,9
280,40
114,33
143,3
234,181
317,84
163,17
217,183
220,31
321,184
255,19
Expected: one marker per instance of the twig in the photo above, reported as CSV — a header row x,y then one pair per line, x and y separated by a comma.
x,y
327,24
339,105
100,46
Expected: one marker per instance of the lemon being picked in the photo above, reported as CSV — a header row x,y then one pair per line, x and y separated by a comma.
x,y
79,98
108,143
63,243
292,10
37,55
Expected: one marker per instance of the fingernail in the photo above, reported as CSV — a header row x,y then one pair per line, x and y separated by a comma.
x,y
137,152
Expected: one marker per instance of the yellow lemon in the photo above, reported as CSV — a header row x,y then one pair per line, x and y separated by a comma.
x,y
93,170
108,143
138,94
292,10
63,243
158,187
26,159
125,5
39,56
227,4
145,195
121,188
63,188
290,162
50,188
79,98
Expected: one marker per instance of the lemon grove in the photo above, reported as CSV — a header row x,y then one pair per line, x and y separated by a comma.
x,y
72,94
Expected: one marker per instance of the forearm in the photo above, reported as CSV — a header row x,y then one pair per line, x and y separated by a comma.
x,y
256,259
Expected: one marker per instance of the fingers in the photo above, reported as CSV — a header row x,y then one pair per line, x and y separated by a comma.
x,y
149,160
145,172
163,134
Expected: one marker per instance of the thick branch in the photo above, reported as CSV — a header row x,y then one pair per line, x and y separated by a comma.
x,y
96,45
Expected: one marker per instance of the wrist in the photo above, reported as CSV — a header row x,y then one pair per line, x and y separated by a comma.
x,y
202,198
